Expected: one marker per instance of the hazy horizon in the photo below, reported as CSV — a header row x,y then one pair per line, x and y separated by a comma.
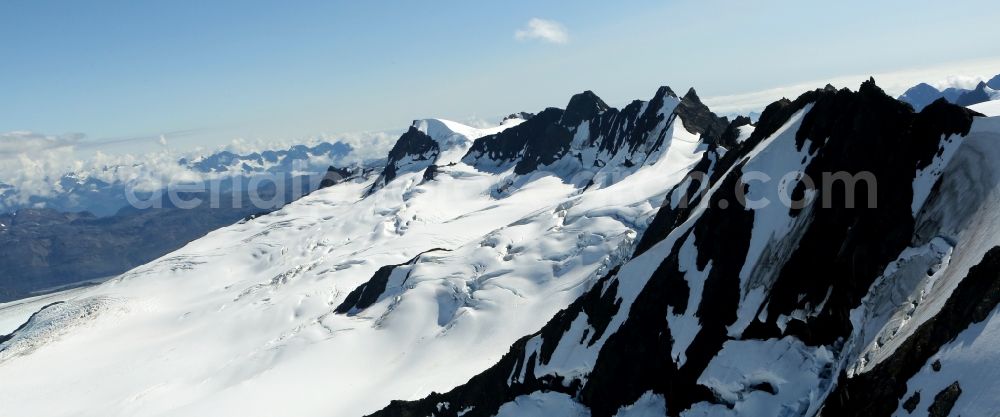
x,y
124,76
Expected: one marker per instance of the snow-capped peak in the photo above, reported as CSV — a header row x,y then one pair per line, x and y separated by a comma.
x,y
553,268
454,138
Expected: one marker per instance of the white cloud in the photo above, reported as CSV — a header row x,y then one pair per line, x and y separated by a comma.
x,y
33,164
30,160
366,145
544,30
20,142
478,122
966,82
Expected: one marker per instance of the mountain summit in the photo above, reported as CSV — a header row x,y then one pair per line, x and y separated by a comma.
x,y
833,259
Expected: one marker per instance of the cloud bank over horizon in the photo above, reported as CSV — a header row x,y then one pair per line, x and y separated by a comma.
x,y
34,165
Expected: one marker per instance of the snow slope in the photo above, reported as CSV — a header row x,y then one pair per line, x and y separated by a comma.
x,y
587,261
776,310
989,108
244,321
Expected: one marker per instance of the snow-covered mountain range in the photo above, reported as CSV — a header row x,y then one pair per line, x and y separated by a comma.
x,y
101,189
586,261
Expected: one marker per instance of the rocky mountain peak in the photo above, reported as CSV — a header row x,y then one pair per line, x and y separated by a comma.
x,y
994,82
663,91
582,106
980,94
698,119
519,115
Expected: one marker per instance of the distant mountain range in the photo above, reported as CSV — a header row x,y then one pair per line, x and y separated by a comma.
x,y
322,154
923,94
102,192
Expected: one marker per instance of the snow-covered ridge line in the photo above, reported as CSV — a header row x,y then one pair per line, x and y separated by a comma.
x,y
574,278
251,309
429,143
746,311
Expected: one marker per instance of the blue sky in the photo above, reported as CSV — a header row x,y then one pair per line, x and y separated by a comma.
x,y
203,72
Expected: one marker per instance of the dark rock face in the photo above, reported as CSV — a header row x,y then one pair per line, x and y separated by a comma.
x,y
430,172
626,130
370,292
911,403
625,136
843,248
771,119
599,307
544,149
413,145
732,132
508,146
583,106
853,132
637,358
699,119
335,175
519,115
944,401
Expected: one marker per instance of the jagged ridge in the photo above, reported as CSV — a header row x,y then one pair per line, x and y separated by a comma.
x,y
842,249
